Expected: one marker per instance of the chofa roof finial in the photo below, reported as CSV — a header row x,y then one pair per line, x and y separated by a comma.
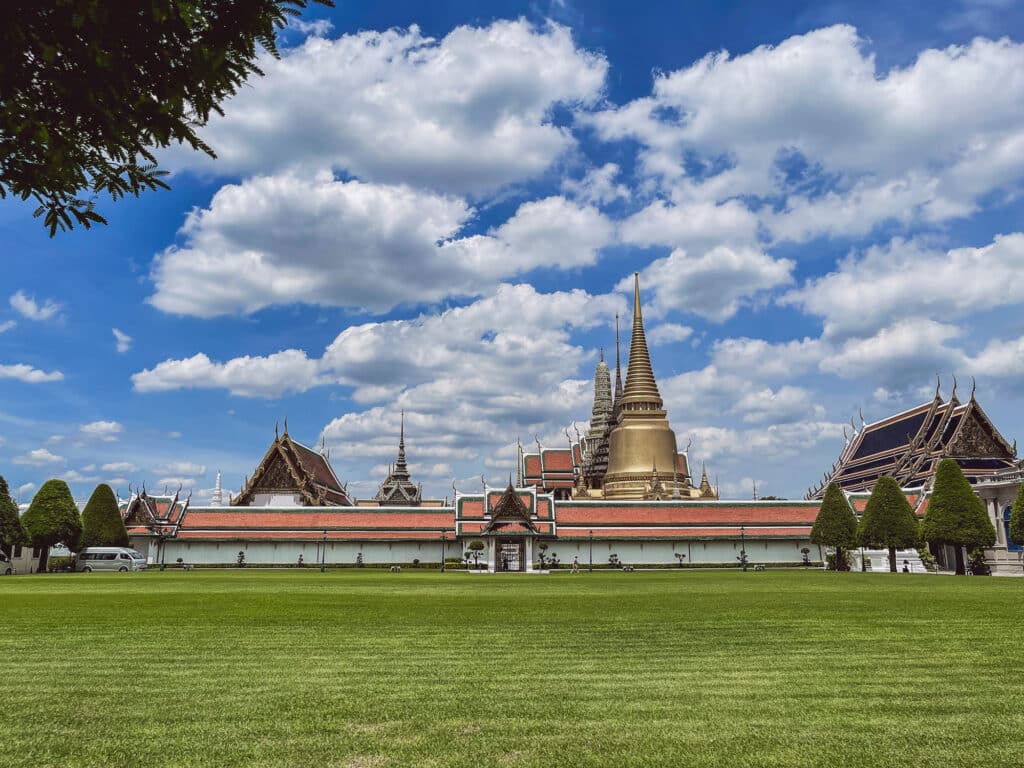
x,y
277,430
938,383
953,396
974,386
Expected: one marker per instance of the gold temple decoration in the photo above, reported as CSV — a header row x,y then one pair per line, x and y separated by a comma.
x,y
641,438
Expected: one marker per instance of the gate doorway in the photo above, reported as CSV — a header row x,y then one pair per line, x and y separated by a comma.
x,y
511,556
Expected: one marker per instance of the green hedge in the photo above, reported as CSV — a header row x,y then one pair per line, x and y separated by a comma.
x,y
58,564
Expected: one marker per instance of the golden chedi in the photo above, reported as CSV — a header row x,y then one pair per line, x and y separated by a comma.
x,y
642,441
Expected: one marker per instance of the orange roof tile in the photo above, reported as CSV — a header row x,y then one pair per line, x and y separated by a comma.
x,y
685,513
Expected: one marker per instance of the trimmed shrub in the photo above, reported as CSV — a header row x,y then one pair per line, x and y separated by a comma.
x,y
102,525
888,521
835,526
61,564
12,533
1017,518
956,515
52,518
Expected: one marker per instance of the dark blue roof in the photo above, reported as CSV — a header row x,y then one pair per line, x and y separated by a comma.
x,y
891,436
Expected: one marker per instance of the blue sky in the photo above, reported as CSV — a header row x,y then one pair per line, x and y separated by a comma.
x,y
438,208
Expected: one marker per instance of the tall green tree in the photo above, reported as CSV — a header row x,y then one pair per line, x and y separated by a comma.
x,y
52,518
888,520
90,88
12,533
1017,518
955,515
102,525
835,525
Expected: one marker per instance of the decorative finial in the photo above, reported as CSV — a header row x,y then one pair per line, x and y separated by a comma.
x,y
860,411
286,426
602,354
277,425
974,386
938,383
519,462
953,396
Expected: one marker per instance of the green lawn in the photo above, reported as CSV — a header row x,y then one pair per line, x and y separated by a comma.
x,y
369,668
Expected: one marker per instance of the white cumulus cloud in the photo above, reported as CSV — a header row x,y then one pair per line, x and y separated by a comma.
x,y
106,431
467,113
28,307
28,374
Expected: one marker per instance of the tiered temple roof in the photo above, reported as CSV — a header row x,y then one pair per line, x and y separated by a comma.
x,y
398,489
909,445
291,468
154,515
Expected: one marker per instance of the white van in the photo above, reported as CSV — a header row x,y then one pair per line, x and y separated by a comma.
x,y
110,559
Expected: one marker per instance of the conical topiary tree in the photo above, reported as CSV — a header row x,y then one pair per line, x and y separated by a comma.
x,y
835,525
888,520
102,525
12,532
1017,518
955,515
52,518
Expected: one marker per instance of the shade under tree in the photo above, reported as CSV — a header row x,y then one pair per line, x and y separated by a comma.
x,y
888,521
835,526
52,518
955,515
102,525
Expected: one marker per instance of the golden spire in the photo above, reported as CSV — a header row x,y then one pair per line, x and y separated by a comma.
x,y
640,385
618,366
642,435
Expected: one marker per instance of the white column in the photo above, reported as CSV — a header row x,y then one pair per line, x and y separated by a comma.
x,y
997,518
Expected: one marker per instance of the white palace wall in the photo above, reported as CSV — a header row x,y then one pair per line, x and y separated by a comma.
x,y
630,552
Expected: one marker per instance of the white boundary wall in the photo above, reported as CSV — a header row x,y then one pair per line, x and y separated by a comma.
x,y
630,552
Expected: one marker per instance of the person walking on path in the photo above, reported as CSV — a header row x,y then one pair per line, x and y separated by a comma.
x,y
575,564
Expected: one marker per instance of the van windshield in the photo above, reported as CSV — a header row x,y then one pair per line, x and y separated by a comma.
x,y
136,554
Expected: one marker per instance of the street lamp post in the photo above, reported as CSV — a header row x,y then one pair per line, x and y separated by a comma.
x,y
743,548
323,554
444,533
590,568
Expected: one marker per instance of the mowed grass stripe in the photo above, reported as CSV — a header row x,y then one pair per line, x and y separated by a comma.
x,y
367,668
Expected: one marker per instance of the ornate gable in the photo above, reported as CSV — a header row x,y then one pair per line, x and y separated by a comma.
x,y
510,515
277,475
289,467
977,437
